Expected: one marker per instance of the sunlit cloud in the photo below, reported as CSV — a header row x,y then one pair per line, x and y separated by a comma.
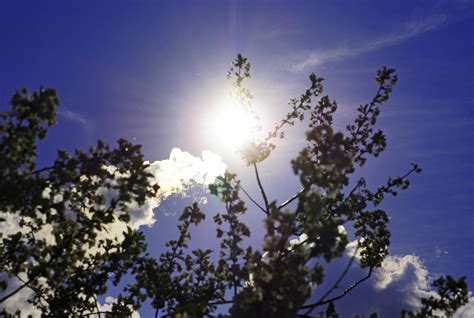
x,y
19,301
107,306
176,174
399,283
467,310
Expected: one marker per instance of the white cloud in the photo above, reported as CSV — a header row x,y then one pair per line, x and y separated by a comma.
x,y
468,310
19,301
182,169
107,306
301,239
398,284
410,30
406,275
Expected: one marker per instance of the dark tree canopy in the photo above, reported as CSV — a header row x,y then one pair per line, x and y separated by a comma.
x,y
75,199
80,195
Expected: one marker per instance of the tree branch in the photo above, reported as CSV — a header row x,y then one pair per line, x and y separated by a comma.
x,y
354,189
253,201
341,295
372,103
97,307
341,277
98,313
262,191
292,248
25,284
221,302
294,197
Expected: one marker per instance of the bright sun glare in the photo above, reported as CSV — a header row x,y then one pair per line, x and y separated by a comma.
x,y
232,124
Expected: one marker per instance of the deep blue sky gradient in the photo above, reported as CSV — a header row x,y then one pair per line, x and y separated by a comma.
x,y
146,70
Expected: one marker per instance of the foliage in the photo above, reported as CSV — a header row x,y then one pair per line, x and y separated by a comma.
x,y
302,233
451,294
76,200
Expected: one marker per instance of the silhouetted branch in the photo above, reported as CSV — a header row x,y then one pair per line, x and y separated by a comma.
x,y
341,295
262,191
103,312
292,248
25,284
294,197
251,199
97,307
341,277
372,103
354,189
222,302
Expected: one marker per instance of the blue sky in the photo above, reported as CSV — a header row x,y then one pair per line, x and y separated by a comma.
x,y
150,71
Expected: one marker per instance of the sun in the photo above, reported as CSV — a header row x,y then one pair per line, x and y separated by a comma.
x,y
233,124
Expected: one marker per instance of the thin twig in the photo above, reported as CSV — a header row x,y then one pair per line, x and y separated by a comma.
x,y
341,277
34,289
251,199
372,103
292,248
25,284
97,307
294,197
221,302
101,312
359,183
262,191
341,295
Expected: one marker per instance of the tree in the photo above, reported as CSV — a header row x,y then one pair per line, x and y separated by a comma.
x,y
76,199
277,280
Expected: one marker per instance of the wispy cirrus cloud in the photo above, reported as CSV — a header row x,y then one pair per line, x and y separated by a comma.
x,y
408,31
74,117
